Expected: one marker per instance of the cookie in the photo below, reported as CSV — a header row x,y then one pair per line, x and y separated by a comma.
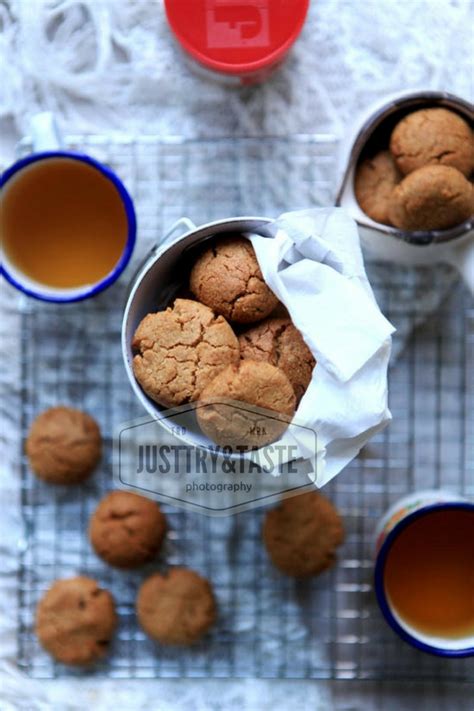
x,y
267,405
226,277
278,341
302,534
177,607
433,136
432,198
180,350
127,530
63,445
75,621
375,180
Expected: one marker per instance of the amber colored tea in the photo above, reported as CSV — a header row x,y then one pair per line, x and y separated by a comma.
x,y
429,574
62,223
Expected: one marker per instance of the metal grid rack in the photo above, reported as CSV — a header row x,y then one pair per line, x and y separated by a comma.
x,y
268,626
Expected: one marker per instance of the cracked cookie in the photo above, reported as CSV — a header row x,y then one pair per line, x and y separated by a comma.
x,y
127,530
177,607
63,445
433,136
278,341
268,404
75,621
434,197
227,278
302,534
374,182
180,350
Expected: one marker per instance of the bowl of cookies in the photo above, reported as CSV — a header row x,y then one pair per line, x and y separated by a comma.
x,y
407,180
259,337
199,305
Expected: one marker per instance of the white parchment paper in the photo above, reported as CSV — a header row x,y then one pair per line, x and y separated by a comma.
x,y
314,265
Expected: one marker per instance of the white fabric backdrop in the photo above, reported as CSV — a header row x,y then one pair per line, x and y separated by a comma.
x,y
111,65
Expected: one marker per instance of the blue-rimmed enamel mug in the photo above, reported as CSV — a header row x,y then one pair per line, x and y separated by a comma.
x,y
47,147
391,527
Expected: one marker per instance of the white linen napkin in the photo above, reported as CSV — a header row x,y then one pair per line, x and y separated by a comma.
x,y
314,265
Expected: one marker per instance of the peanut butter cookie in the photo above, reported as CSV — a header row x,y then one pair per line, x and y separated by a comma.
x,y
278,341
127,530
177,607
75,621
63,445
226,277
302,534
374,182
433,136
267,405
180,350
432,198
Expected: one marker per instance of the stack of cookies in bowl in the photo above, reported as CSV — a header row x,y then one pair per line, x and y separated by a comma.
x,y
420,179
231,343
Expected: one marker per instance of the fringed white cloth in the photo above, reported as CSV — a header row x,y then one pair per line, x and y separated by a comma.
x,y
113,64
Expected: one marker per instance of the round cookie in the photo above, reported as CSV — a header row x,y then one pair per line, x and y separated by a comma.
x,y
226,277
278,341
263,387
63,445
432,198
375,180
301,535
127,530
177,607
75,620
433,136
180,350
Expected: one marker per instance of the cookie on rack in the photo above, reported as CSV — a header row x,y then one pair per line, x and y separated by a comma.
x,y
278,341
302,534
76,620
434,136
375,180
180,350
248,405
64,445
227,278
177,607
434,197
126,529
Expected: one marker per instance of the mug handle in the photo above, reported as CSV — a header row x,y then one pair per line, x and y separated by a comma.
x,y
180,227
44,133
462,258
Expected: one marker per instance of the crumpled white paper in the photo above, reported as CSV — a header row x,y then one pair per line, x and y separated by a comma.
x,y
314,265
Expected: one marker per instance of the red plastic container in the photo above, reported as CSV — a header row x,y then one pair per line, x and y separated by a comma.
x,y
241,41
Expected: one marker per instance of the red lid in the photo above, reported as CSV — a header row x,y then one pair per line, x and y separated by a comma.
x,y
236,36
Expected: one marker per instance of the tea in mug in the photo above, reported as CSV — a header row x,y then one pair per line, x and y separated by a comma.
x,y
62,223
429,574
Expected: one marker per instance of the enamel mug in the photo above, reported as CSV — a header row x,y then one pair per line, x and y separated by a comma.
x,y
454,245
47,145
396,520
159,280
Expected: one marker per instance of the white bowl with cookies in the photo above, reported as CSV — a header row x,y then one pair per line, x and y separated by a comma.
x,y
406,180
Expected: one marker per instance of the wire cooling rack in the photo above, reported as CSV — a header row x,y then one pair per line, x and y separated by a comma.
x,y
268,626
